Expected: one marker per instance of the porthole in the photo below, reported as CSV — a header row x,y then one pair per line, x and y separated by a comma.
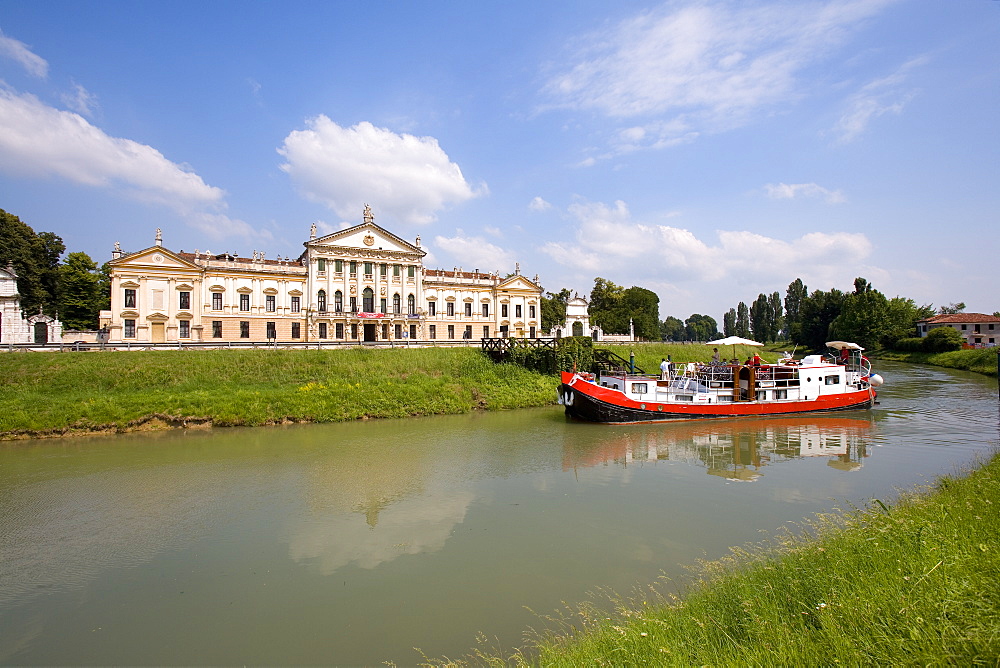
x,y
659,408
643,406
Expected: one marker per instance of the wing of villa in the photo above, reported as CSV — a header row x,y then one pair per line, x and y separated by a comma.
x,y
361,284
978,329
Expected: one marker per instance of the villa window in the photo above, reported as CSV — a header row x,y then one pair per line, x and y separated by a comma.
x,y
468,309
130,328
368,269
129,298
338,266
411,271
503,310
486,331
296,305
451,331
216,329
396,305
432,331
272,331
395,270
338,301
321,265
354,305
354,330
450,308
398,331
411,305
184,327
531,311
244,329
382,305
354,267
216,301
517,310
321,301
184,301
322,330
269,304
486,310
468,332
296,330
383,269
368,300
339,329
244,302
431,308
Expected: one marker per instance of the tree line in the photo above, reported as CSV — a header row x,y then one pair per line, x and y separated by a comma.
x,y
807,319
75,289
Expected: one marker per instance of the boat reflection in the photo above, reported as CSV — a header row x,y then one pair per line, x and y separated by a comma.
x,y
732,449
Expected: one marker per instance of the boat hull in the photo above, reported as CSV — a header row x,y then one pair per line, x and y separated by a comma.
x,y
584,401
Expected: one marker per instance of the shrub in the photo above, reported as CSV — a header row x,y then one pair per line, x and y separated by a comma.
x,y
943,339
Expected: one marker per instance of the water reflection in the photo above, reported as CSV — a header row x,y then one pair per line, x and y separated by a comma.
x,y
735,449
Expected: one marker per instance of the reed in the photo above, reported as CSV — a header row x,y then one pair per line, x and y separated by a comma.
x,y
44,393
909,584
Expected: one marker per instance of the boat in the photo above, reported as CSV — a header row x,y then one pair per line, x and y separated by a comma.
x,y
814,384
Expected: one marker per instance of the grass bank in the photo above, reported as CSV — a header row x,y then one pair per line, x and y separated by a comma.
x,y
48,394
911,584
981,360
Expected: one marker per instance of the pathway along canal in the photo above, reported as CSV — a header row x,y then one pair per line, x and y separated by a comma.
x,y
355,543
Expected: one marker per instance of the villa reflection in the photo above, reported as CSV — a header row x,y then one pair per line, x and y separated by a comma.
x,y
732,449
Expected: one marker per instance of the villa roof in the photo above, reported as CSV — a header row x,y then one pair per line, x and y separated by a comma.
x,y
959,318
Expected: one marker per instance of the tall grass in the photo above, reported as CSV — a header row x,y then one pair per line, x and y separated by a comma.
x,y
52,391
912,584
980,360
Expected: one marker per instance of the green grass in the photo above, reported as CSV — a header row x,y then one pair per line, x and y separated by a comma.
x,y
911,584
42,392
980,360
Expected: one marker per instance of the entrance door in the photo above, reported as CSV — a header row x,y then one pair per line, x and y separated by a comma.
x,y
158,332
369,332
41,333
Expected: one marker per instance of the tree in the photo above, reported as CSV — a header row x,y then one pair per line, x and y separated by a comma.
x,y
816,313
742,321
760,318
777,321
729,322
642,307
36,260
794,297
952,309
701,328
553,309
672,329
902,315
605,307
80,292
863,317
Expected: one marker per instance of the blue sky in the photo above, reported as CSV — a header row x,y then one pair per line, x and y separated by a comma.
x,y
708,151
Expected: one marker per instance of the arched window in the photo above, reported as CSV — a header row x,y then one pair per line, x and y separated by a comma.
x,y
321,300
368,300
411,305
395,303
338,301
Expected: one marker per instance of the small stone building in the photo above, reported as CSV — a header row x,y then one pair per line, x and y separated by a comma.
x,y
14,327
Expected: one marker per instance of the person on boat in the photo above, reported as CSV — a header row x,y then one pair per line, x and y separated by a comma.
x,y
754,361
715,356
845,354
664,368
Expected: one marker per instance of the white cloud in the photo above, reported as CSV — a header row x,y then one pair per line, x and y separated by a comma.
x,y
37,140
19,51
80,100
539,204
793,190
877,98
701,67
410,178
471,252
609,242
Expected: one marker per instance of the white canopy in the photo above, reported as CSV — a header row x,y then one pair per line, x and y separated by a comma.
x,y
840,345
735,341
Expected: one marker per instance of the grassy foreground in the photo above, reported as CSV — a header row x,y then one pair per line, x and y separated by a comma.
x,y
52,393
911,584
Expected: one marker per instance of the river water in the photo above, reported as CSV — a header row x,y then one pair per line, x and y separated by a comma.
x,y
355,543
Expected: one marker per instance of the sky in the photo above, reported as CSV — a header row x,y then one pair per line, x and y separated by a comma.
x,y
709,151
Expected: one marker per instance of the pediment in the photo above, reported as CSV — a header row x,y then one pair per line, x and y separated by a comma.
x,y
155,256
367,236
518,282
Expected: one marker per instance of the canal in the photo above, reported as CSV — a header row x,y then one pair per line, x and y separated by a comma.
x,y
356,543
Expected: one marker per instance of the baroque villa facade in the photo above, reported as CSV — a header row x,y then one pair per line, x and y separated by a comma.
x,y
360,284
